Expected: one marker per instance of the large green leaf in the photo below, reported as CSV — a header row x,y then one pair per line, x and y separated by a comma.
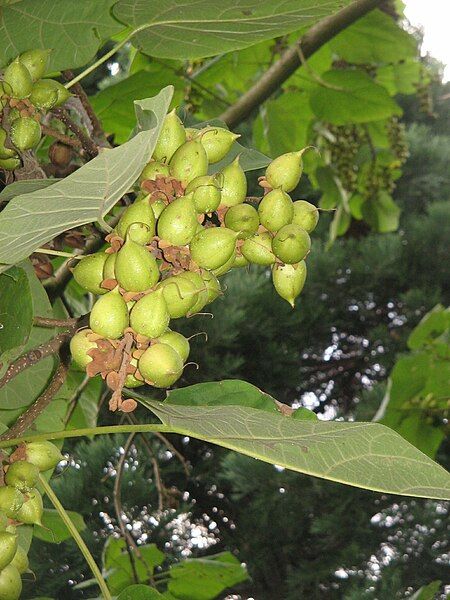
x,y
73,30
381,213
139,592
367,455
24,187
353,97
374,38
400,78
86,195
204,28
53,528
433,324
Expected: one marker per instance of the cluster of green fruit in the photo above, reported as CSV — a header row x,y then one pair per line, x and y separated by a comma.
x,y
24,98
21,504
185,229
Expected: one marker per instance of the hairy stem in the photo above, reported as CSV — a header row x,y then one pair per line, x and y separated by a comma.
x,y
88,145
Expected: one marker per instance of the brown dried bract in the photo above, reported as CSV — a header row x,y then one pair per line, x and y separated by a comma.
x,y
262,181
163,188
105,358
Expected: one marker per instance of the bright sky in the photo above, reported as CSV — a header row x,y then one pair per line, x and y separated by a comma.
x,y
433,16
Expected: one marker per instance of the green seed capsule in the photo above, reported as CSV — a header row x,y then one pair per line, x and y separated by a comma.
x,y
240,261
20,560
109,315
291,244
154,169
180,295
3,521
171,137
130,380
30,513
4,151
226,266
89,272
242,218
157,207
10,500
258,249
150,316
5,93
10,583
135,268
213,247
275,210
217,142
285,171
177,341
189,161
178,221
306,215
201,291
234,184
206,193
161,365
8,548
36,61
212,285
44,455
62,93
108,269
44,95
80,346
25,133
22,475
289,280
9,164
138,212
18,77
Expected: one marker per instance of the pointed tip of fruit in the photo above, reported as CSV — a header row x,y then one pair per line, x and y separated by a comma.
x,y
235,136
292,303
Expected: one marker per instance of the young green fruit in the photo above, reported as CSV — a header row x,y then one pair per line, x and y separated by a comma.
x,y
217,142
25,133
258,249
240,261
226,266
18,77
275,210
4,151
242,218
150,316
200,289
189,161
109,315
20,560
22,475
5,93
157,207
44,455
109,266
62,93
89,272
206,193
10,583
171,137
180,295
154,169
212,285
36,61
234,184
178,221
8,548
44,95
213,247
161,365
9,164
10,500
138,212
306,215
136,268
130,379
177,341
80,346
285,171
289,280
3,521
30,513
291,243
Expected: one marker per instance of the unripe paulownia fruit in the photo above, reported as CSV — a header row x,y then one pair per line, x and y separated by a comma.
x,y
108,268
25,133
30,513
200,289
36,61
18,77
289,280
206,193
109,315
240,261
171,137
161,365
44,95
177,341
9,164
150,316
3,521
22,475
178,221
20,560
5,92
80,346
8,548
212,285
10,500
275,210
291,243
136,269
44,455
227,266
157,207
234,184
242,218
285,171
4,151
180,295
130,379
258,249
138,212
10,583
139,233
213,247
189,161
154,169
62,93
89,272
306,215
217,142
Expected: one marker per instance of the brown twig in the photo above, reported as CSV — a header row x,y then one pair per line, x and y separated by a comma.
x,y
45,322
61,137
88,145
116,401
